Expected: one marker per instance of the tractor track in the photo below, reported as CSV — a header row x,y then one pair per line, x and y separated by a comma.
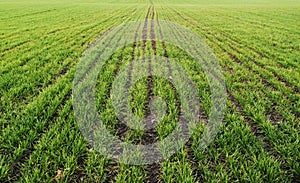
x,y
153,171
188,146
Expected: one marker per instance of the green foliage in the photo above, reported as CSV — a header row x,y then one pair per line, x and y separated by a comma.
x,y
256,42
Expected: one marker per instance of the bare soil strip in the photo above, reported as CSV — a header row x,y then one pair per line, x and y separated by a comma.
x,y
121,128
191,157
151,135
153,171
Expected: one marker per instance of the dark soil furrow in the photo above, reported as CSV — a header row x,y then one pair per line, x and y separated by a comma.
x,y
151,135
111,171
153,170
153,173
190,154
121,128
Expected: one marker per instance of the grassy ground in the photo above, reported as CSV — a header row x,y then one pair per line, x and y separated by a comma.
x,y
256,42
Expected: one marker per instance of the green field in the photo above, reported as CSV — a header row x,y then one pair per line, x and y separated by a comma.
x,y
256,42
